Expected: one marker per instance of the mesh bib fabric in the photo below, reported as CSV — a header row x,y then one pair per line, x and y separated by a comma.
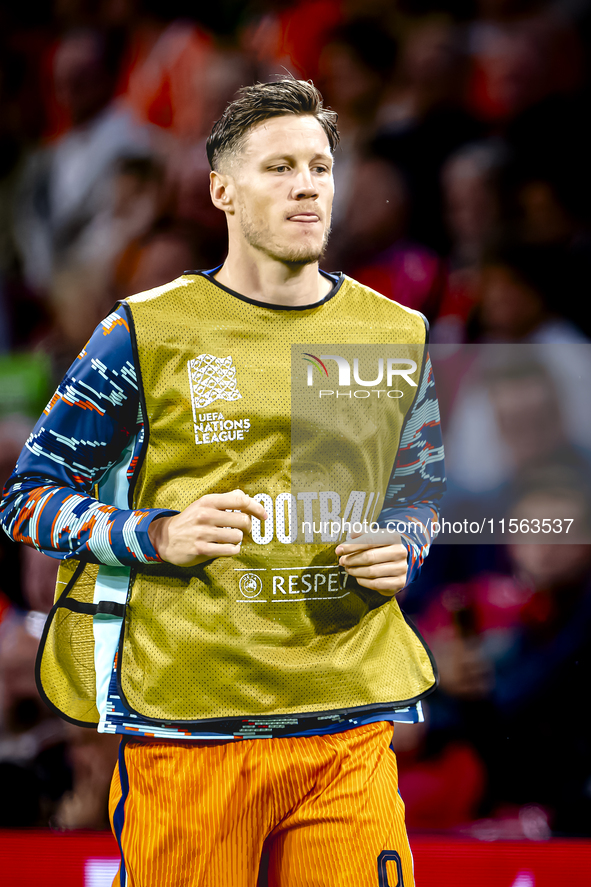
x,y
274,630
278,630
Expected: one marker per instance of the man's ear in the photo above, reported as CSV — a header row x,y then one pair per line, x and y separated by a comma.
x,y
221,188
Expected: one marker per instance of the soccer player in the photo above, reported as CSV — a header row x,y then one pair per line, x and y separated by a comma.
x,y
254,682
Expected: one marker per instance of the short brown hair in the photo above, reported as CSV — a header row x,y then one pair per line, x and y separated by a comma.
x,y
262,101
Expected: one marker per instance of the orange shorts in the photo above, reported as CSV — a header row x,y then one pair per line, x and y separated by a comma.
x,y
326,808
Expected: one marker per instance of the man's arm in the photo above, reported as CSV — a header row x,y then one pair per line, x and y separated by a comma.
x,y
90,431
411,505
91,422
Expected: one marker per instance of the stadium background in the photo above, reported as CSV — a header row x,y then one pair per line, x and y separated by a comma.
x,y
463,188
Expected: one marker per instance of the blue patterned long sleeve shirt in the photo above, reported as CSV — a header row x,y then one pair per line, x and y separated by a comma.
x,y
92,419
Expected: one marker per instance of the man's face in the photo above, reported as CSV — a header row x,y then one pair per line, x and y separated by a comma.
x,y
283,189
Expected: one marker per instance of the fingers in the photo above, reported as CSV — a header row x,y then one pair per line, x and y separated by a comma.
x,y
237,500
365,555
384,578
210,550
192,556
349,548
235,519
221,535
215,533
381,569
226,510
373,538
378,571
212,526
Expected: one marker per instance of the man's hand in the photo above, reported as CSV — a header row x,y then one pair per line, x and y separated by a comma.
x,y
212,526
382,568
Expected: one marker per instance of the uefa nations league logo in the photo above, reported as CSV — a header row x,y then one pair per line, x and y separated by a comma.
x,y
212,378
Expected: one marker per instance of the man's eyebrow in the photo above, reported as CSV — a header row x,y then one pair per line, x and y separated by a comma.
x,y
275,158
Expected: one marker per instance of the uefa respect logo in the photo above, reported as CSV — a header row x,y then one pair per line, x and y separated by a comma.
x,y
250,585
388,371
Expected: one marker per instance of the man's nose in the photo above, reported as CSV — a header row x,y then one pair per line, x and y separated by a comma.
x,y
304,185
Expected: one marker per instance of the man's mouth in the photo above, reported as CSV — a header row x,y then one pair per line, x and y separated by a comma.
x,y
304,217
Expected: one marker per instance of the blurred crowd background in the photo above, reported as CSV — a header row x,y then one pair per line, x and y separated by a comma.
x,y
463,190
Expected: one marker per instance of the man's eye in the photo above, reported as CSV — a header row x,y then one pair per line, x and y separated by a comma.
x,y
280,168
321,169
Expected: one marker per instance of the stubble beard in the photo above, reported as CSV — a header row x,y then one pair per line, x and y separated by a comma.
x,y
262,239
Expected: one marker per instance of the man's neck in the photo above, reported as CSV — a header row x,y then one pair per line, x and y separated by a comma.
x,y
268,280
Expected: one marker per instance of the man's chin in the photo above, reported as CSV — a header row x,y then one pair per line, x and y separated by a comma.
x,y
295,257
302,255
301,259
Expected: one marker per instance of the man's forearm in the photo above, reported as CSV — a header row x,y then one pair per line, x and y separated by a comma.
x,y
65,523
